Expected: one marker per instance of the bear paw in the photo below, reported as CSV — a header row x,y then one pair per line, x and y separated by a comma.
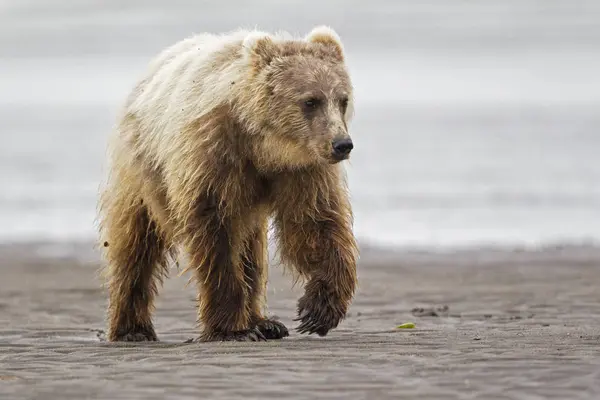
x,y
319,310
247,335
137,334
272,329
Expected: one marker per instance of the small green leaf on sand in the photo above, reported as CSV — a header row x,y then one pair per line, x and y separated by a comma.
x,y
408,325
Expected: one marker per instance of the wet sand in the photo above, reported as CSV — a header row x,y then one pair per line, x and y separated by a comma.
x,y
518,325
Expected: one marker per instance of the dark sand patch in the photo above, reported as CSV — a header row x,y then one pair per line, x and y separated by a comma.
x,y
519,325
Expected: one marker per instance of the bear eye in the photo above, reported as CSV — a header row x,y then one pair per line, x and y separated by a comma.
x,y
344,103
312,103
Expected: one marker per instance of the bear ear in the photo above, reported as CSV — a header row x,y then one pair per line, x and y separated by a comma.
x,y
260,48
327,36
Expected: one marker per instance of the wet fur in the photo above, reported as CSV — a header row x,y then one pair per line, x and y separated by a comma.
x,y
198,164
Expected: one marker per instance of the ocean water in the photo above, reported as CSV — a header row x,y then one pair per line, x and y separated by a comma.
x,y
476,122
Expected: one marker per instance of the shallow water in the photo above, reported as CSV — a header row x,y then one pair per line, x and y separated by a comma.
x,y
474,122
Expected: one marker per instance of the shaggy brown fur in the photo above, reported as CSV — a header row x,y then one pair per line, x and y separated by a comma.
x,y
206,151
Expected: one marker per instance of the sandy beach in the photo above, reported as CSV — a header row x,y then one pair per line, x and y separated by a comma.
x,y
490,324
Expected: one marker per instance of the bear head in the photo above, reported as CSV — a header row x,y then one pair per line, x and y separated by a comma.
x,y
300,98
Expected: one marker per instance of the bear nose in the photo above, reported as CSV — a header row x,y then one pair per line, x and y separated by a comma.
x,y
342,147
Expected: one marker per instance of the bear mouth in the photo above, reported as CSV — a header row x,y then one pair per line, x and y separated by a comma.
x,y
334,159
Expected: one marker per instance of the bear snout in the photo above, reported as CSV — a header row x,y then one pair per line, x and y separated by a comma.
x,y
342,148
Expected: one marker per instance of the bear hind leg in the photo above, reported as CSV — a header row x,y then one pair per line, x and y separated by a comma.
x,y
137,263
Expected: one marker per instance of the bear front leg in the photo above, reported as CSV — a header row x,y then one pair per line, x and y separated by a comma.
x,y
317,239
223,293
332,278
255,264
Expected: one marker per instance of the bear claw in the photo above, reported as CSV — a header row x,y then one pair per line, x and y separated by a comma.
x,y
272,329
137,336
311,326
248,335
318,310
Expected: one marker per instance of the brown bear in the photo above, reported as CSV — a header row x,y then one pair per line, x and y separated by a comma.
x,y
222,133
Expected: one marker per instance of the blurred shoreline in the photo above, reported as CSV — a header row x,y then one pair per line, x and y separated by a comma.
x,y
88,252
